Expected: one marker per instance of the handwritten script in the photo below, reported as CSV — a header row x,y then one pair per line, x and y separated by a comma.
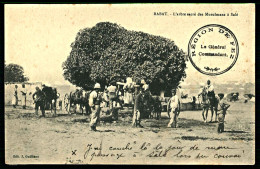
x,y
146,150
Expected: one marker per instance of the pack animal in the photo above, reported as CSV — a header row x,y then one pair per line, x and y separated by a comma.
x,y
51,96
205,104
213,104
156,108
79,97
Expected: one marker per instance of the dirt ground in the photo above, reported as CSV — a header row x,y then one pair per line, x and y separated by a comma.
x,y
67,139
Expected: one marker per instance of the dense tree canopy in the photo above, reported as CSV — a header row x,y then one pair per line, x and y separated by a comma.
x,y
108,52
14,73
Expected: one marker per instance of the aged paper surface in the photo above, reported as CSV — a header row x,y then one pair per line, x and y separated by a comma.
x,y
218,42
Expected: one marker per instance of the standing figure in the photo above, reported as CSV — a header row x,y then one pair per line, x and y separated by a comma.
x,y
105,97
112,94
138,107
222,109
66,102
85,101
147,102
24,92
39,101
15,97
94,103
55,97
128,91
173,108
119,96
194,99
45,91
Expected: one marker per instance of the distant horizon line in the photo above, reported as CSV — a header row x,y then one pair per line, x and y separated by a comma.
x,y
194,83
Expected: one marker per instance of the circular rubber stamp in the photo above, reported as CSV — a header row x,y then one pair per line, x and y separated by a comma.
x,y
213,49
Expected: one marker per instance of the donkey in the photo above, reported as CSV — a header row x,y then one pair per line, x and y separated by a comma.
x,y
213,104
205,104
79,97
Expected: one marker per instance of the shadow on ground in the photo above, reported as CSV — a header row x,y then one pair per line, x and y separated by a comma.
x,y
232,131
105,131
182,123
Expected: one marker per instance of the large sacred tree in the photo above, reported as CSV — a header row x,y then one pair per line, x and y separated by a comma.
x,y
109,52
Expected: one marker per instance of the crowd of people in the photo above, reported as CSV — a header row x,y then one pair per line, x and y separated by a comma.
x,y
136,94
42,98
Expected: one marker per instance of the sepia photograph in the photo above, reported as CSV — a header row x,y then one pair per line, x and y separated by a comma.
x,y
129,84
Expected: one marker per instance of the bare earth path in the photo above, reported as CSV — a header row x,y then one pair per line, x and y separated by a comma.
x,y
68,139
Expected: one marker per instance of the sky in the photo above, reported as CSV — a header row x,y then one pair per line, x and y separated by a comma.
x,y
38,37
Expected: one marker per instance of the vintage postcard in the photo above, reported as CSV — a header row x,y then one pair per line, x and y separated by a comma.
x,y
130,84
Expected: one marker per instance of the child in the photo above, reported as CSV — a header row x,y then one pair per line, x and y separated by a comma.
x,y
222,109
